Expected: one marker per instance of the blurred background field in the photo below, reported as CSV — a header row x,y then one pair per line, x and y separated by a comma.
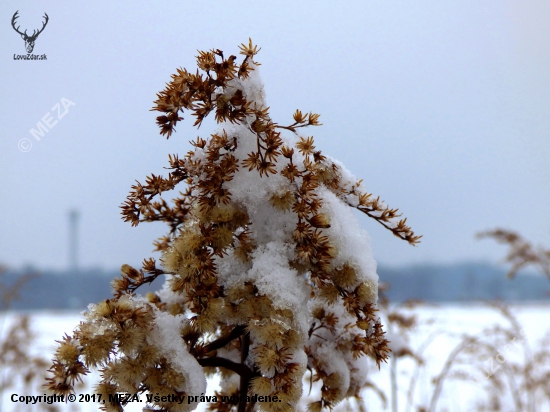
x,y
443,325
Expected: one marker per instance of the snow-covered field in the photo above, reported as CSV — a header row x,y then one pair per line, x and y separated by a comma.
x,y
440,330
441,326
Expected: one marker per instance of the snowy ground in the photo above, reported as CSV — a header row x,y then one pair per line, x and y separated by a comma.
x,y
443,327
448,322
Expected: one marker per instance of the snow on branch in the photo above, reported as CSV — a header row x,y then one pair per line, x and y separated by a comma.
x,y
268,274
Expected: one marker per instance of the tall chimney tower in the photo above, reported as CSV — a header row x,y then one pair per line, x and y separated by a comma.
x,y
73,240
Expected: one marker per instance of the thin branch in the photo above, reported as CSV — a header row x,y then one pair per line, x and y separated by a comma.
x,y
217,362
224,340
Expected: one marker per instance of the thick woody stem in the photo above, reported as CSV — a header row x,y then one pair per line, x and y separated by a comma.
x,y
245,379
245,373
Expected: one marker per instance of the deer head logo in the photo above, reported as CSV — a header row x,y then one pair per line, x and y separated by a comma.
x,y
29,40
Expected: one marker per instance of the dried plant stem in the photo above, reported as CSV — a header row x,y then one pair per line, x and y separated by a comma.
x,y
238,368
439,380
510,375
245,379
378,391
527,353
414,378
393,377
221,342
521,252
443,374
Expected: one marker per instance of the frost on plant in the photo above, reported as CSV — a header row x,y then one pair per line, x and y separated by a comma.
x,y
268,275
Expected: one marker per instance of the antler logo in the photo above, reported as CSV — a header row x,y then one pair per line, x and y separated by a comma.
x,y
29,40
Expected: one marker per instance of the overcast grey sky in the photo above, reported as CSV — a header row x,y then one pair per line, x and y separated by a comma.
x,y
442,107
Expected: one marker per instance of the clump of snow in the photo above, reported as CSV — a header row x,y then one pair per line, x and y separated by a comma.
x,y
351,241
168,296
167,339
253,86
274,278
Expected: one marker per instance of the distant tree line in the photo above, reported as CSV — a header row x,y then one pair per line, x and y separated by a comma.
x,y
461,282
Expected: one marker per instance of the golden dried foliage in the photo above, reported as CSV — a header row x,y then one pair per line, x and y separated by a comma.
x,y
226,322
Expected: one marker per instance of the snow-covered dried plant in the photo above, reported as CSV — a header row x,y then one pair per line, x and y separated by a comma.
x,y
19,367
268,274
401,322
